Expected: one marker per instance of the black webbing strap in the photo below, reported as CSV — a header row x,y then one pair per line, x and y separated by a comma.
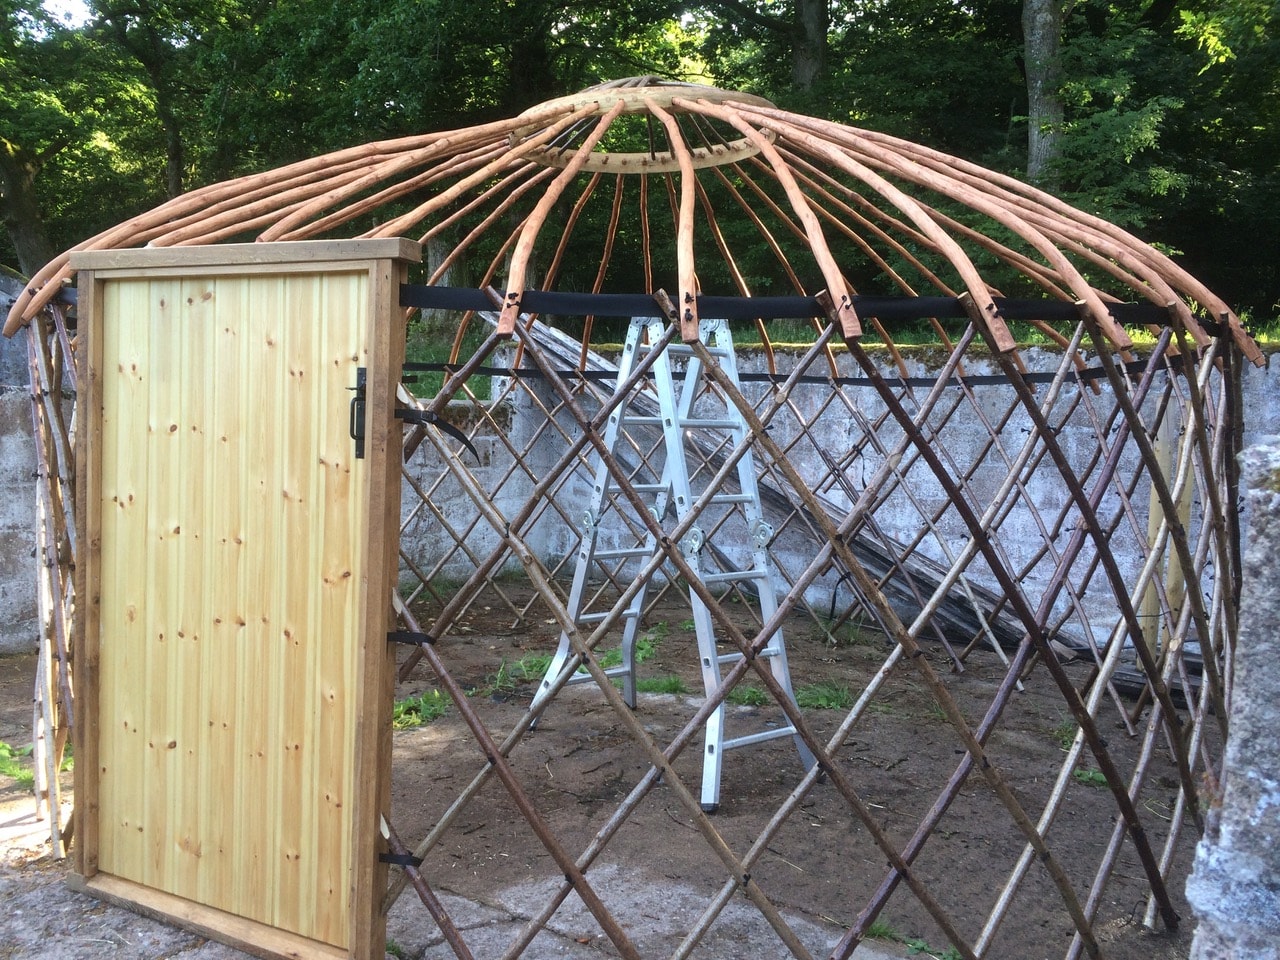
x,y
427,418
410,636
1087,375
400,859
885,309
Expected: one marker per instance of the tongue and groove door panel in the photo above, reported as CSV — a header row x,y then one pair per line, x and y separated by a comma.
x,y
238,583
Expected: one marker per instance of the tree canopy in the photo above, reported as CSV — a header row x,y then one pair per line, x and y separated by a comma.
x,y
1159,115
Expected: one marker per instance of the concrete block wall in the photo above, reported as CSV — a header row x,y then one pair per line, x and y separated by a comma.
x,y
555,534
19,619
425,538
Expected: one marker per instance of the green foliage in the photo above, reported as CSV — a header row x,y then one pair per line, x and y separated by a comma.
x,y
646,647
916,945
1092,778
824,695
1113,161
882,930
1065,733
532,666
1172,110
12,765
418,710
668,683
850,632
748,695
76,135
310,76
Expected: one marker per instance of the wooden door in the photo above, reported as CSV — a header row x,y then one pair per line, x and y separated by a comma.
x,y
235,684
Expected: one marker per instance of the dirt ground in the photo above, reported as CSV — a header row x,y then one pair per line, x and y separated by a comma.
x,y
821,866
581,762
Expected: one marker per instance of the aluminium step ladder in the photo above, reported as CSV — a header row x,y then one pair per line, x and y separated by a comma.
x,y
680,430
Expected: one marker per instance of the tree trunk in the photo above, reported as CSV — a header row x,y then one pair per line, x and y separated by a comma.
x,y
175,152
1042,51
809,50
20,208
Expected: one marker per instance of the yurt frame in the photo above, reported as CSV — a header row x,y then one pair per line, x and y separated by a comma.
x,y
1154,473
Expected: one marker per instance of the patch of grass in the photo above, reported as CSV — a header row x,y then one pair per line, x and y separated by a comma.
x,y
918,946
671,683
883,930
1065,734
532,666
416,711
748,695
658,632
396,950
824,695
1092,778
646,647
688,626
851,632
503,681
11,764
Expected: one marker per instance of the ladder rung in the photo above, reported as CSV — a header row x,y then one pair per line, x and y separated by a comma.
x,y
735,657
587,618
733,575
749,739
646,421
641,487
683,350
622,554
710,424
582,676
733,498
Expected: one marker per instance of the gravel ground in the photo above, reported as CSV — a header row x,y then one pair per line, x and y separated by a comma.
x,y
43,918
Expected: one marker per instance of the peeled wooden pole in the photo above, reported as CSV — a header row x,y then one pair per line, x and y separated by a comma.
x,y
831,274
533,223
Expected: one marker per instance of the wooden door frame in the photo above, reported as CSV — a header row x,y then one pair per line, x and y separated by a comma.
x,y
386,261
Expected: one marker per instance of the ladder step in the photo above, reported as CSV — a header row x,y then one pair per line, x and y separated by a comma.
x,y
694,422
589,618
749,739
645,421
640,487
683,350
735,657
733,575
733,498
582,676
623,554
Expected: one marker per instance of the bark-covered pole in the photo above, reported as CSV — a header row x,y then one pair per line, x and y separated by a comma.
x,y
1235,886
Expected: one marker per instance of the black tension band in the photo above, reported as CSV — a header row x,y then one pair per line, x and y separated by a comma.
x,y
400,859
427,418
410,636
776,308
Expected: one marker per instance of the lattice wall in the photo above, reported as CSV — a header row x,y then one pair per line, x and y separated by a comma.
x,y
1098,583
1067,522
